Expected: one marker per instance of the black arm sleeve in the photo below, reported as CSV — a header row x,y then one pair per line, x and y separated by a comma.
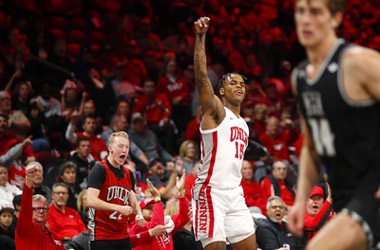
x,y
97,176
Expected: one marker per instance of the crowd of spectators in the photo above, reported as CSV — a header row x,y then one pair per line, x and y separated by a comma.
x,y
73,72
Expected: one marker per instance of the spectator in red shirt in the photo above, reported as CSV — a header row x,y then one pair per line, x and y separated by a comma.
x,y
277,141
11,148
31,231
134,70
190,179
273,99
192,132
18,122
153,213
254,194
156,106
63,220
318,208
157,110
260,112
175,87
277,184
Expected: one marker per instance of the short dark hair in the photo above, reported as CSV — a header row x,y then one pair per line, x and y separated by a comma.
x,y
7,210
87,116
80,139
5,116
223,79
65,166
16,200
334,6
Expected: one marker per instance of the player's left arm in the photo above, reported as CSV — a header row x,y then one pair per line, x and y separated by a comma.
x,y
132,200
362,66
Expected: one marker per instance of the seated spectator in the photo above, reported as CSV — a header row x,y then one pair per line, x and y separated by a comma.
x,y
273,99
318,209
63,220
70,99
83,160
22,92
7,190
123,89
68,175
18,123
146,140
277,184
190,179
272,232
17,206
192,132
188,154
38,124
152,210
276,141
82,206
51,108
259,119
6,226
184,238
175,87
38,186
157,110
89,126
32,231
162,179
254,194
48,103
11,150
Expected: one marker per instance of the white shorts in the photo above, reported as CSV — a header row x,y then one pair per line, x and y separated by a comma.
x,y
220,214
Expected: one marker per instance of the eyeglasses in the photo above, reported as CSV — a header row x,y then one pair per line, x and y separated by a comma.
x,y
61,193
277,207
38,209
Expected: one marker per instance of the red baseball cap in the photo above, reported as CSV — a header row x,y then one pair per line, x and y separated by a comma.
x,y
147,201
317,190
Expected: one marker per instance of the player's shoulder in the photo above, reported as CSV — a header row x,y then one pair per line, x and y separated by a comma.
x,y
356,55
98,166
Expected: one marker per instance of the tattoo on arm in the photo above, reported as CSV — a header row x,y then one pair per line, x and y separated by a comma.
x,y
200,68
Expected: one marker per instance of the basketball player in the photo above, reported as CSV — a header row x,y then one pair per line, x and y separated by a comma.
x,y
111,198
218,202
338,89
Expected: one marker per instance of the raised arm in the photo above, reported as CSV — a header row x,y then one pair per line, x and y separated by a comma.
x,y
210,103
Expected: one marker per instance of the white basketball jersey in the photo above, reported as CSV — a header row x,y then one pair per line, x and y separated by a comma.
x,y
222,152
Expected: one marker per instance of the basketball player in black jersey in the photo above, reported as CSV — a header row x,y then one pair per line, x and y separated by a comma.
x,y
338,89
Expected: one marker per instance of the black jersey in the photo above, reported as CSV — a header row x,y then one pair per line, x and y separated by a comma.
x,y
346,133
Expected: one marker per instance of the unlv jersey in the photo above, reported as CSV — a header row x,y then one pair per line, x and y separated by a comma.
x,y
346,133
222,152
106,225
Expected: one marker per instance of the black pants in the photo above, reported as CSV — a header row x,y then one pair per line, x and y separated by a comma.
x,y
124,244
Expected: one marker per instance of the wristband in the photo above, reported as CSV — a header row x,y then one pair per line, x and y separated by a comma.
x,y
157,199
28,178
